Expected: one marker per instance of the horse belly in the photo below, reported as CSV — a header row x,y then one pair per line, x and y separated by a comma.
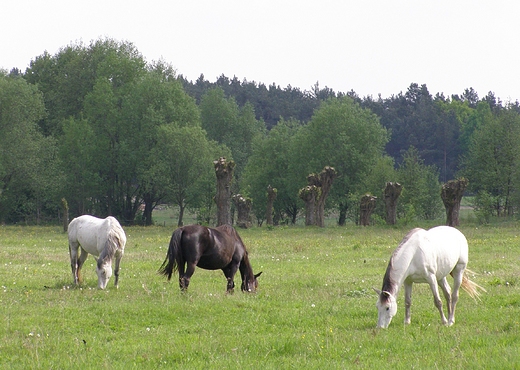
x,y
213,262
416,277
90,245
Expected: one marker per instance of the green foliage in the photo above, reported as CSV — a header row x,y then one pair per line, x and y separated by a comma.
x,y
270,164
467,119
66,78
315,307
494,157
29,169
155,101
270,103
182,166
374,183
485,206
421,188
341,134
107,135
82,123
77,150
87,86
230,125
345,136
415,118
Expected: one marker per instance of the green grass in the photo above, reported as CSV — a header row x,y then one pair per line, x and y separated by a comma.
x,y
315,308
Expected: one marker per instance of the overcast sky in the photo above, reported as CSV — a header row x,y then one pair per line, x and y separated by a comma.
x,y
371,47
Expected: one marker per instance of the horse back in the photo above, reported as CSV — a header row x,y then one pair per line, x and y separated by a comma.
x,y
450,242
211,248
445,247
230,240
91,232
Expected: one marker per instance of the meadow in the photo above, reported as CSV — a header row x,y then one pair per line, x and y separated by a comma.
x,y
315,308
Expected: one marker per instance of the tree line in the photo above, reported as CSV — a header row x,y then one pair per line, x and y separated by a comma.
x,y
98,126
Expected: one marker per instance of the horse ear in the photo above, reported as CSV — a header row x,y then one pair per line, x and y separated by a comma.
x,y
377,291
257,275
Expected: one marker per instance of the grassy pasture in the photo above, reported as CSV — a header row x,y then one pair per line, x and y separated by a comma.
x,y
315,308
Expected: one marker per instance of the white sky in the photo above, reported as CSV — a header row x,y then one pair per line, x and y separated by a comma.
x,y
372,47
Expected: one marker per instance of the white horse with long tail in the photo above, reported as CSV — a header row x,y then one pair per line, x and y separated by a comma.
x,y
103,238
426,257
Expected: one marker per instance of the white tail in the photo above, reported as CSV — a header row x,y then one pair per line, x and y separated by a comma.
x,y
471,287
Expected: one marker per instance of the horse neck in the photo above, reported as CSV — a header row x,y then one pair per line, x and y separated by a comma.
x,y
397,269
245,268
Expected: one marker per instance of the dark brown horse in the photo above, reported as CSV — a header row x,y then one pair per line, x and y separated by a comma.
x,y
212,249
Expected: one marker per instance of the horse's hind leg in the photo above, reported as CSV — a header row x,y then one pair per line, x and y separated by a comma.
x,y
436,297
457,281
184,277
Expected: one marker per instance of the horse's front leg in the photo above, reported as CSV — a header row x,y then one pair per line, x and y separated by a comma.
x,y
81,260
230,287
230,272
407,302
119,255
436,297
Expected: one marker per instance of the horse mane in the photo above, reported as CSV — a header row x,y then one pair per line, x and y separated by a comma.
x,y
246,270
113,242
389,284
228,229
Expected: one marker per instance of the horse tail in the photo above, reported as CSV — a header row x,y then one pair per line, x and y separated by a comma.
x,y
172,260
472,288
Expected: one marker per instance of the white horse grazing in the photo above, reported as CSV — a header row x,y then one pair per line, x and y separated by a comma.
x,y
426,257
100,237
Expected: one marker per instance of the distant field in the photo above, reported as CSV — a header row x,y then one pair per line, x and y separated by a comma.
x,y
315,308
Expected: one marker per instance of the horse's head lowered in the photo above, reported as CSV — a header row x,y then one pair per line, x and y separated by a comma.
x,y
104,272
386,308
250,285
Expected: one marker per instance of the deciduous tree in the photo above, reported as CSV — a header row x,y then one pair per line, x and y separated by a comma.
x,y
421,186
345,136
29,168
493,157
230,125
270,164
451,195
182,166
